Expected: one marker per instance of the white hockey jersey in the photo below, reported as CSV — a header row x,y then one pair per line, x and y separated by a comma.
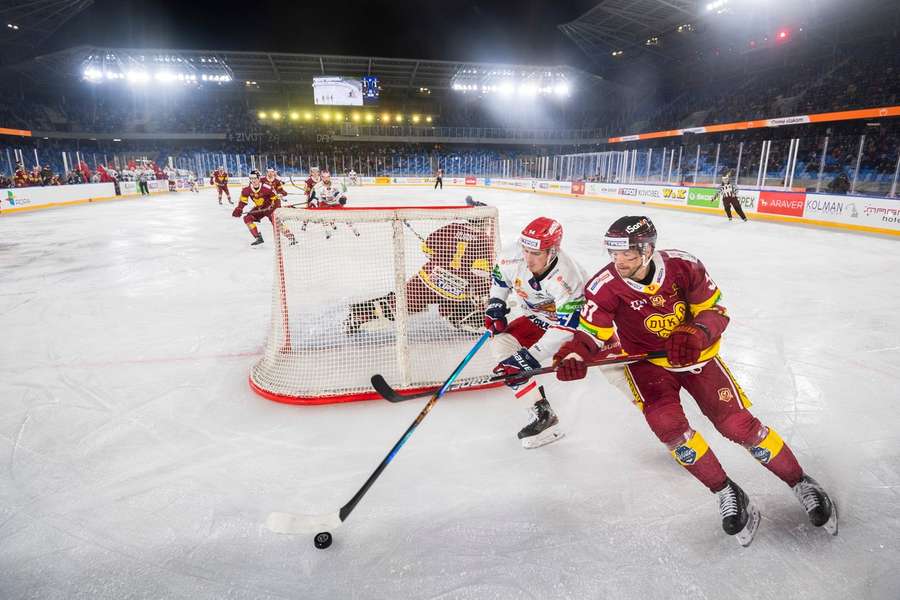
x,y
553,300
329,195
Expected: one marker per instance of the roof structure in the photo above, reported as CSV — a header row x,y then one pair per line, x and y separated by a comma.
x,y
30,22
266,68
628,26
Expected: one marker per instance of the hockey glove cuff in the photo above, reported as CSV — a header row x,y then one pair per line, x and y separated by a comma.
x,y
520,365
495,316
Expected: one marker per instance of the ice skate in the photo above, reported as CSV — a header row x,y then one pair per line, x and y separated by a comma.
x,y
740,517
543,428
819,507
259,240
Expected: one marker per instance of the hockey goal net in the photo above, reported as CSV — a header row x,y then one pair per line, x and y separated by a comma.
x,y
359,291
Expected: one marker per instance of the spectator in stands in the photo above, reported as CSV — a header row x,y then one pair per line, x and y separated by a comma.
x,y
46,175
840,184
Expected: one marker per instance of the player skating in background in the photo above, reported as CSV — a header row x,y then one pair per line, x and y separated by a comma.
x,y
548,285
265,201
192,179
219,178
455,278
439,179
353,177
728,193
328,194
277,186
665,300
309,186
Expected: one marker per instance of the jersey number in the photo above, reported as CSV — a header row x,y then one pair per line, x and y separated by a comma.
x,y
587,311
456,261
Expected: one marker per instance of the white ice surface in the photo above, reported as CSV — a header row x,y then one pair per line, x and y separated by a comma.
x,y
136,463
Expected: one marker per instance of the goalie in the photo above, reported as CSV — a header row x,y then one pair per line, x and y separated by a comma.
x,y
456,278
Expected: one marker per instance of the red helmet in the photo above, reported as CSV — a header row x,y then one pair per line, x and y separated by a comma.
x,y
542,234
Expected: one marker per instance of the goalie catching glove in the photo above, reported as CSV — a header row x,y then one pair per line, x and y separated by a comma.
x,y
519,364
495,316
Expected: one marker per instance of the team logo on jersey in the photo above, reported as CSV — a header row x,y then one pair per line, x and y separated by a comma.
x,y
658,301
725,395
663,324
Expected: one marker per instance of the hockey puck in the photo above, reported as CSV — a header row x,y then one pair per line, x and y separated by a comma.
x,y
322,540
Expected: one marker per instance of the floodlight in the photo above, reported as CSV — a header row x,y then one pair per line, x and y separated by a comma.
x,y
263,115
276,115
294,115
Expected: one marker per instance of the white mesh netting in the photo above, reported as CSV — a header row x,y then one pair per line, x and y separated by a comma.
x,y
398,291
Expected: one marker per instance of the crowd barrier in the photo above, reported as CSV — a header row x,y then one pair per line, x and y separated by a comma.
x,y
854,213
13,200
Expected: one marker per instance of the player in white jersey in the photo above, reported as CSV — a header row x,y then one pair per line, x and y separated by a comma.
x,y
328,194
353,177
550,289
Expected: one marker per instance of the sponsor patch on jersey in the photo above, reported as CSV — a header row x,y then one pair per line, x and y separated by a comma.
x,y
658,301
598,281
681,255
725,395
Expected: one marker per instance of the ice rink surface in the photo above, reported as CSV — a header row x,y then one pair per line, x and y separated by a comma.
x,y
137,463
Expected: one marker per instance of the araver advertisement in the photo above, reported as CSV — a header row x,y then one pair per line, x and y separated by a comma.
x,y
789,204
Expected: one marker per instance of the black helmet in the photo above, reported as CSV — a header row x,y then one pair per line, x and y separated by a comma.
x,y
630,233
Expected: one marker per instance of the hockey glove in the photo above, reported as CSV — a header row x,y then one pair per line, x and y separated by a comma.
x,y
687,341
585,349
495,316
520,364
238,210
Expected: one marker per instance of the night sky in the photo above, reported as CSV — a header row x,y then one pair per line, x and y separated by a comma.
x,y
520,32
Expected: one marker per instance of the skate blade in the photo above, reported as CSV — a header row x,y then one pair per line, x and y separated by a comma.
x,y
745,535
547,436
831,525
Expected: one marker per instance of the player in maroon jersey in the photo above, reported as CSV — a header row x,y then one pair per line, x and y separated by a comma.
x,y
456,278
277,186
265,201
309,187
665,300
219,178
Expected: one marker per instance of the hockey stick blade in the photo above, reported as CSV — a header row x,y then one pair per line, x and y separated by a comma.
x,y
288,523
384,389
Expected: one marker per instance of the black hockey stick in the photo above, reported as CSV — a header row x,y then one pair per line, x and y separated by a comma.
x,y
391,395
291,523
